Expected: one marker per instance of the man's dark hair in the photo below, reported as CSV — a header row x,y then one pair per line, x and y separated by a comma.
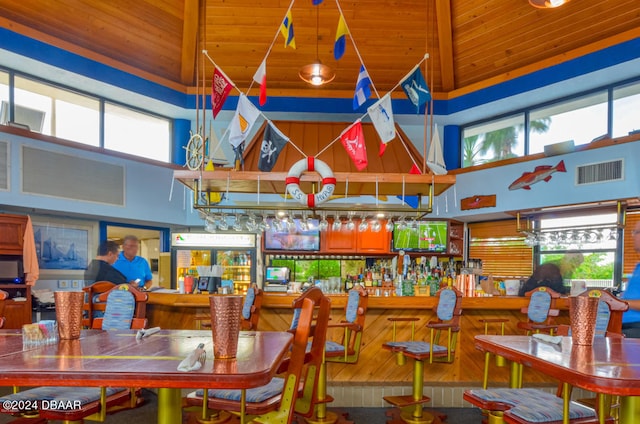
x,y
108,246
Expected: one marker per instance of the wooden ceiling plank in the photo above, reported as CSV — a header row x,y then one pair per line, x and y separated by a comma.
x,y
445,40
189,41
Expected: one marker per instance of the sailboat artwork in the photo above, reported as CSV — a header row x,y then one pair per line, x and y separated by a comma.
x,y
435,159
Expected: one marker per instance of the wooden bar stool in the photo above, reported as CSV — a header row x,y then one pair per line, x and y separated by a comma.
x,y
400,359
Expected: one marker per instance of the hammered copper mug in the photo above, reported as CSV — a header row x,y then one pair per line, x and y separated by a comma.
x,y
225,325
69,313
583,311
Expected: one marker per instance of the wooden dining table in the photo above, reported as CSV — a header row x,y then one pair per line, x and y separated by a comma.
x,y
609,366
117,358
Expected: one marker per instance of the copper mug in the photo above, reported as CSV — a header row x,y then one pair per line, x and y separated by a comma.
x,y
69,313
225,325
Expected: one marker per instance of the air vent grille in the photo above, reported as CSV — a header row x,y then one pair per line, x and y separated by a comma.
x,y
4,165
600,172
55,174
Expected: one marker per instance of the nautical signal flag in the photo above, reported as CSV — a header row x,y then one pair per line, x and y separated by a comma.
x,y
353,141
273,142
416,88
243,120
363,92
220,88
382,117
286,29
261,78
316,2
341,38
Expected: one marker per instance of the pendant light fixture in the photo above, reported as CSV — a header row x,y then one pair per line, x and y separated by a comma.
x,y
547,4
317,73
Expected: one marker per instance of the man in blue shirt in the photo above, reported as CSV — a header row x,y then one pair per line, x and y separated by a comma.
x,y
631,318
134,267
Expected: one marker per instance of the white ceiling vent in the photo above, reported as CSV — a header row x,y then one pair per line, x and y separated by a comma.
x,y
600,172
4,165
55,174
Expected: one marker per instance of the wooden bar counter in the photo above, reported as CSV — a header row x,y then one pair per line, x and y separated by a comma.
x,y
376,366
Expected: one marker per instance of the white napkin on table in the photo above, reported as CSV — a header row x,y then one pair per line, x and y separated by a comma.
x,y
147,332
547,338
194,360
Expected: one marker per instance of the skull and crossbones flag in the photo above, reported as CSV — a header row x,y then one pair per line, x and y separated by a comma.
x,y
272,144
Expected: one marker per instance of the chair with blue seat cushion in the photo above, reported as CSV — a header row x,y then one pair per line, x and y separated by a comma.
x,y
347,349
526,406
540,311
443,335
92,307
95,402
251,308
278,400
608,323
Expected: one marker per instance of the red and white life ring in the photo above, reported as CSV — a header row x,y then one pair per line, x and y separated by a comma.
x,y
293,181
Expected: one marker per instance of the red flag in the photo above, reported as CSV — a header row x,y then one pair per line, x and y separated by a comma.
x,y
261,78
353,141
220,88
415,170
383,147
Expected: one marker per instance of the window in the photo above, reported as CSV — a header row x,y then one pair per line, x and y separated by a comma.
x,y
584,247
136,133
497,140
4,87
580,120
626,103
57,112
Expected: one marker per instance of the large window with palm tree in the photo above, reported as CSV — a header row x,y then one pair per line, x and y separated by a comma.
x,y
607,112
496,140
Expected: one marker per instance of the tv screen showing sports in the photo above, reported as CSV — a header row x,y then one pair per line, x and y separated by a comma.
x,y
300,238
424,236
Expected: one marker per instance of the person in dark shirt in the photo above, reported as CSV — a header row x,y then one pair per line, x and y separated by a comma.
x,y
547,274
101,269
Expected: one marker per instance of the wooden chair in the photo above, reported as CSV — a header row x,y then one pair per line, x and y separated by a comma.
x,y
92,307
96,402
277,401
439,349
503,404
540,311
346,351
3,296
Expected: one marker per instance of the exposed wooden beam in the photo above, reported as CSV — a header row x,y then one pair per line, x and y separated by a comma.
x,y
189,41
445,41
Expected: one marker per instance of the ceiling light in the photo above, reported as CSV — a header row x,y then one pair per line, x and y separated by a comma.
x,y
317,73
547,4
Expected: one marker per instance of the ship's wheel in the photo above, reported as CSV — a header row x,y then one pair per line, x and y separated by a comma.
x,y
195,152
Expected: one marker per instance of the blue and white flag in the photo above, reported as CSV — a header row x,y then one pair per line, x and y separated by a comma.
x,y
381,115
416,88
362,88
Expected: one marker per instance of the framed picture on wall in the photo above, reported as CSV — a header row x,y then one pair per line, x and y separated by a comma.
x,y
61,247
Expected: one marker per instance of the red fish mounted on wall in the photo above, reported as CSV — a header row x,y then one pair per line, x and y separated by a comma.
x,y
541,173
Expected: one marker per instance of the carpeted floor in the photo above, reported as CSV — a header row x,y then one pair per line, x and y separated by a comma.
x,y
146,414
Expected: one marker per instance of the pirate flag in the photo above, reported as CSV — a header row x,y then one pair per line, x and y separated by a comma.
x,y
272,144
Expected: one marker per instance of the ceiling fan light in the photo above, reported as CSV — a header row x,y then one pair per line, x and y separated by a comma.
x,y
547,4
316,74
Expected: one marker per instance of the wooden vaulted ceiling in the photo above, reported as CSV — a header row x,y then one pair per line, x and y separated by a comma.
x,y
471,43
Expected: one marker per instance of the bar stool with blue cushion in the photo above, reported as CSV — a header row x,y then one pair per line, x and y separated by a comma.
x,y
277,401
95,402
439,349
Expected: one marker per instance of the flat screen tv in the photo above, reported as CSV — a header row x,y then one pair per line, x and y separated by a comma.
x,y
425,236
276,275
297,239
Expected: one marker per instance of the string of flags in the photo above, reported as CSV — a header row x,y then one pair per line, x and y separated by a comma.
x,y
352,138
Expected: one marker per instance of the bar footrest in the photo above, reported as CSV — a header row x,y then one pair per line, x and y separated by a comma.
x,y
405,400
